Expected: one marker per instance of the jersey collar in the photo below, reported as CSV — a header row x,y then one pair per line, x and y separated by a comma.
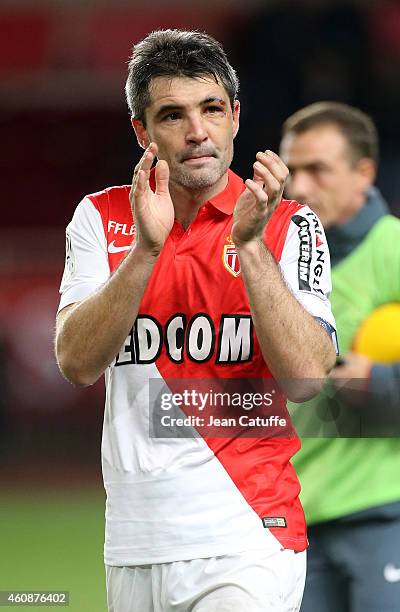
x,y
225,200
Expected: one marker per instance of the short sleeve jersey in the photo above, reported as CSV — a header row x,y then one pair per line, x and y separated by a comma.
x,y
172,499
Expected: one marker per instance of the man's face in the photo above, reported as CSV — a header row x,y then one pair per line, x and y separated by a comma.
x,y
322,174
192,123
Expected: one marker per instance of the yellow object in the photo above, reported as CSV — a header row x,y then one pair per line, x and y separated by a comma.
x,y
378,336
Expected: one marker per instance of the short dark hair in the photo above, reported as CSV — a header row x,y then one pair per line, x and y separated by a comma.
x,y
173,53
357,127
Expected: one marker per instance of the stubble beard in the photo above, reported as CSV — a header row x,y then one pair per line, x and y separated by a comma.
x,y
200,178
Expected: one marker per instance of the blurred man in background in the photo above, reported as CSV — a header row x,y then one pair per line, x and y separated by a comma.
x,y
350,486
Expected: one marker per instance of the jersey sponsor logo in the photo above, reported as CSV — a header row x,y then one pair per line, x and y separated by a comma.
x,y
319,266
230,258
305,252
112,248
316,223
318,270
114,227
274,521
196,339
391,573
305,269
235,339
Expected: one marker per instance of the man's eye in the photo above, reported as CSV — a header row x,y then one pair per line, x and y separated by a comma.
x,y
318,168
214,109
171,117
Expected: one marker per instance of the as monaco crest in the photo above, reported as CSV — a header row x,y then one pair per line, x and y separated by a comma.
x,y
230,259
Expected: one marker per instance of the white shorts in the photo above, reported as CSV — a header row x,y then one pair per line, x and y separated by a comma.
x,y
252,581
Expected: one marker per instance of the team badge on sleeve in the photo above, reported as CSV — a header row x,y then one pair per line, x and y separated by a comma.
x,y
230,258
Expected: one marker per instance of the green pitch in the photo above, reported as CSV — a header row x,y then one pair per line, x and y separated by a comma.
x,y
54,541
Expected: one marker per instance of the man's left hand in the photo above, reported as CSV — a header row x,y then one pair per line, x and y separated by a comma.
x,y
259,199
354,366
351,379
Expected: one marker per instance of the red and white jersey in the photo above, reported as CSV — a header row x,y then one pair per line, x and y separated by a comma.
x,y
172,499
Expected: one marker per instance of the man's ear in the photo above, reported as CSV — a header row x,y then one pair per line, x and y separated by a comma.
x,y
141,133
366,169
236,114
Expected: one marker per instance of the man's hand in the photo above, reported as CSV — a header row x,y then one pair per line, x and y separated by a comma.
x,y
153,213
351,379
258,201
354,366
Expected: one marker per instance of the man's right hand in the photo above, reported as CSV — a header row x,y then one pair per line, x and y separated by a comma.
x,y
153,213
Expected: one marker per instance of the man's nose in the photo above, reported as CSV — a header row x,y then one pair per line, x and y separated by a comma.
x,y
298,186
196,132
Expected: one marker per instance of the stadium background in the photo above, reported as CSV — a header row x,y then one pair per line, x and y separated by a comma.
x,y
64,133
